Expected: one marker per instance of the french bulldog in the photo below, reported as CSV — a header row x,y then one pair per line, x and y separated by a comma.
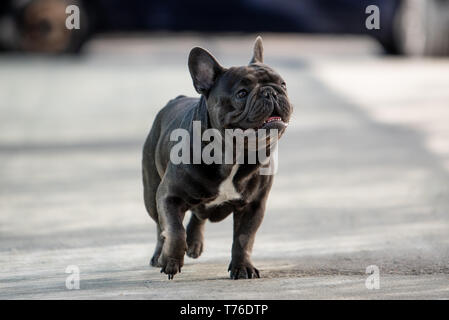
x,y
245,97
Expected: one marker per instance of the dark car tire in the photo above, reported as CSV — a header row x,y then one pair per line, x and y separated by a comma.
x,y
421,28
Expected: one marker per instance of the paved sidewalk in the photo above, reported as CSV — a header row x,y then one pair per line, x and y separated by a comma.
x,y
363,175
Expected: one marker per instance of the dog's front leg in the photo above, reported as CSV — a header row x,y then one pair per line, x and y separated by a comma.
x,y
246,223
171,211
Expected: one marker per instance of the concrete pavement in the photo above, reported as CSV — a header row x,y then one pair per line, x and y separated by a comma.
x,y
363,174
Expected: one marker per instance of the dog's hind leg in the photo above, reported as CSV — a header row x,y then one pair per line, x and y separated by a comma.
x,y
158,249
151,181
195,236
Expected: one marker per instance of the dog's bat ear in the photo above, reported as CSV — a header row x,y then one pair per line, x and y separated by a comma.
x,y
204,69
258,51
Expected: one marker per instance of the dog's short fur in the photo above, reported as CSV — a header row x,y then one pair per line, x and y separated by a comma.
x,y
237,97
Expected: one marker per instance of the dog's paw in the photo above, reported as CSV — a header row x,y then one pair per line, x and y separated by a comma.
x,y
154,261
194,248
243,271
170,266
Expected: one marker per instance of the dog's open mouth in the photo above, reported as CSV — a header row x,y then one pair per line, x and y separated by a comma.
x,y
271,119
273,122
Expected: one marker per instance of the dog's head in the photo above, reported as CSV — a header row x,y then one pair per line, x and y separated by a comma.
x,y
247,97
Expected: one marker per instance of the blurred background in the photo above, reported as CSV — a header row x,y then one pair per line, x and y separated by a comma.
x,y
408,26
363,169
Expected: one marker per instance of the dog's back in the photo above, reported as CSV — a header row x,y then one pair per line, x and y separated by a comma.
x,y
154,163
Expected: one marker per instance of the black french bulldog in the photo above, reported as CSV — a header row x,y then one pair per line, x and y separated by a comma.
x,y
245,97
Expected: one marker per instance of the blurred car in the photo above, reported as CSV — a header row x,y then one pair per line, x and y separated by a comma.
x,y
411,27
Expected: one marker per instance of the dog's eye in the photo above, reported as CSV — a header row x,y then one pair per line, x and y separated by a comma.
x,y
284,85
242,94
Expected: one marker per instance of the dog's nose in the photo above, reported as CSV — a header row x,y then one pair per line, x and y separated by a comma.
x,y
268,92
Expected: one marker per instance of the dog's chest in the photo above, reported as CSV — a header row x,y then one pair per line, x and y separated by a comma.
x,y
226,190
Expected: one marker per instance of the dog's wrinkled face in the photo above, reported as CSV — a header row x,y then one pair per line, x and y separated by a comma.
x,y
247,97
